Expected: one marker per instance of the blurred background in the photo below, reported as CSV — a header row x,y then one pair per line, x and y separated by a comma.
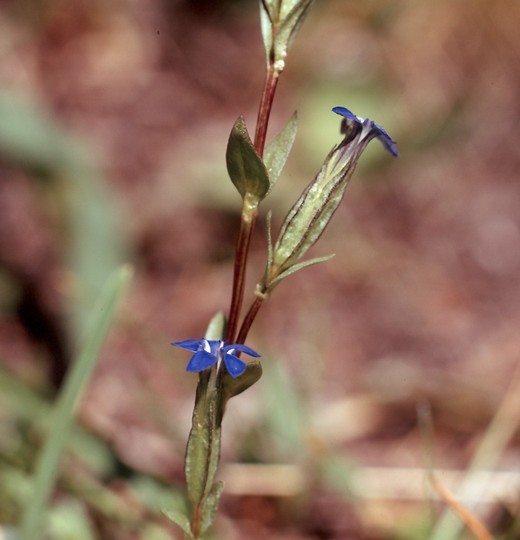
x,y
114,118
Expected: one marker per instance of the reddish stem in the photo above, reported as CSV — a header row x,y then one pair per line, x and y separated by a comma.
x,y
247,224
196,519
249,318
264,110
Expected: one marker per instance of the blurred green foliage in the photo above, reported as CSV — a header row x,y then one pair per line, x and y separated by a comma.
x,y
71,177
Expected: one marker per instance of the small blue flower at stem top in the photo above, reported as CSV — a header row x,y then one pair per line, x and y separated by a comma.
x,y
352,125
208,352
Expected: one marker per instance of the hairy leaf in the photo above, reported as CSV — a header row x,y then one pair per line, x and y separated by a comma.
x,y
181,520
298,266
203,450
277,151
280,21
209,509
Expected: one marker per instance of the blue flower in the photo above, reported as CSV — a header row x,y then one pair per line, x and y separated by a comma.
x,y
352,126
208,352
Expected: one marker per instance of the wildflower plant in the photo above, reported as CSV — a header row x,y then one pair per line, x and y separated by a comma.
x,y
254,168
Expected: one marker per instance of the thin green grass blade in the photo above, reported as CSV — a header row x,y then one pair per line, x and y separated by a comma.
x,y
34,410
75,383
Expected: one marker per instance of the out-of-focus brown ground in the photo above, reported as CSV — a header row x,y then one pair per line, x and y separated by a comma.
x,y
421,303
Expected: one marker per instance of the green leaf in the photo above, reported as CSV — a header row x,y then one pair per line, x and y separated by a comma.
x,y
245,167
232,387
209,509
277,151
155,495
203,449
280,20
73,388
267,22
181,520
295,267
270,253
287,7
293,15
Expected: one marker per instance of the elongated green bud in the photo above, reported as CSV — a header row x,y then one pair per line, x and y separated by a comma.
x,y
314,209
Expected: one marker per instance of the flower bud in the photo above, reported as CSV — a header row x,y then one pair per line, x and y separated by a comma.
x,y
312,212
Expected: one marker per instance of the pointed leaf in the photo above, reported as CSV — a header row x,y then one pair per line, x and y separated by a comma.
x,y
269,245
210,506
245,167
203,449
286,7
198,448
293,15
280,20
277,152
232,387
181,520
298,266
267,22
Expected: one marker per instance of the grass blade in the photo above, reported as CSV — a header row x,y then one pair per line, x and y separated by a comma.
x,y
75,383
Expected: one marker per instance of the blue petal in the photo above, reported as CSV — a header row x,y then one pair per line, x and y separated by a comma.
x,y
387,141
379,132
241,348
189,344
200,361
343,111
234,365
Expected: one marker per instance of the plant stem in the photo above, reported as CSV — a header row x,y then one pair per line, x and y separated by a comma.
x,y
264,110
249,212
196,521
247,223
249,318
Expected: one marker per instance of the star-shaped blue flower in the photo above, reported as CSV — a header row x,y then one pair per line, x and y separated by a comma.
x,y
352,125
208,352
